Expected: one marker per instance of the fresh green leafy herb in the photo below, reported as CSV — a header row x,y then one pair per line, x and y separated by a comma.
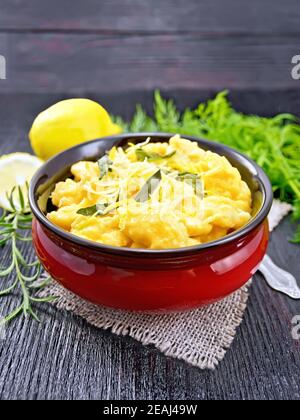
x,y
274,143
149,187
104,165
88,211
169,155
141,155
187,175
296,239
140,122
14,225
97,210
195,180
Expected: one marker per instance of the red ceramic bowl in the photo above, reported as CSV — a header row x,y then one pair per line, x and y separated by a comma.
x,y
149,280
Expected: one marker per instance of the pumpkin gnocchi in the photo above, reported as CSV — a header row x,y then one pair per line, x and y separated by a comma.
x,y
153,196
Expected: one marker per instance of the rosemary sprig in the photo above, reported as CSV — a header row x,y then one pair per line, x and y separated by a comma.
x,y
14,225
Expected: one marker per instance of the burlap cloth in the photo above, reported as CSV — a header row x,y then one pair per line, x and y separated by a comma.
x,y
200,337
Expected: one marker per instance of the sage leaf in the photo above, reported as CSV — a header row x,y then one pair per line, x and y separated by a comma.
x,y
195,180
104,165
141,155
88,211
96,210
149,187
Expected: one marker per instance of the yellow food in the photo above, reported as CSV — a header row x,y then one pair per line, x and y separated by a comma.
x,y
197,196
68,123
15,170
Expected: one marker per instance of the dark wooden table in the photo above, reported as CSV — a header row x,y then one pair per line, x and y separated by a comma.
x,y
117,53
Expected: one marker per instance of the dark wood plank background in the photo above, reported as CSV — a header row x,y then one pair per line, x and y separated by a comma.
x,y
117,52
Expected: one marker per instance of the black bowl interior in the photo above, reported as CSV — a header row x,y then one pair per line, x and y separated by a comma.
x,y
58,169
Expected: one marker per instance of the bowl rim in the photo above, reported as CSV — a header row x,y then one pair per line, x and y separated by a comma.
x,y
259,218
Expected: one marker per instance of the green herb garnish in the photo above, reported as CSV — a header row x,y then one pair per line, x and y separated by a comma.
x,y
97,210
296,239
88,211
195,180
149,187
188,175
141,155
104,165
14,226
274,143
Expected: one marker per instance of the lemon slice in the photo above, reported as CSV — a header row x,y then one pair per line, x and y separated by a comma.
x,y
15,170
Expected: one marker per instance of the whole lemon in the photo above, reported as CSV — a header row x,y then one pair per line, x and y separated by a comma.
x,y
68,123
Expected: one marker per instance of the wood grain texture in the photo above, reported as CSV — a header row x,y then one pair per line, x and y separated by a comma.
x,y
48,63
205,16
116,52
64,358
